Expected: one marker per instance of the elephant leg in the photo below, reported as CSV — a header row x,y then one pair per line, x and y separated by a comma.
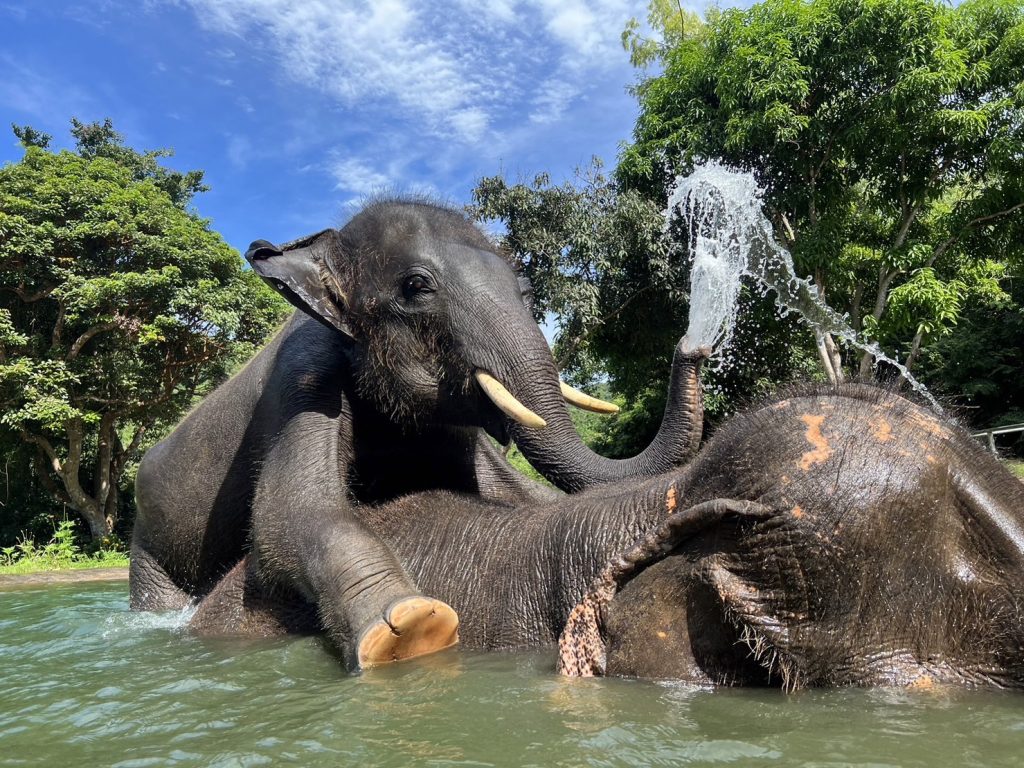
x,y
307,538
582,647
242,605
151,588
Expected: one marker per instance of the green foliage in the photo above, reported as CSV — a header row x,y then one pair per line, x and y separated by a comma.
x,y
596,260
30,137
979,363
117,307
888,134
889,138
61,552
670,23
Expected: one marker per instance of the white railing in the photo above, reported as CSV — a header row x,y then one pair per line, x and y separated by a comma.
x,y
991,434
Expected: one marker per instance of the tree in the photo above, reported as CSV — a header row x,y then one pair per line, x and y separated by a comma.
x,y
118,305
888,134
600,265
596,260
670,24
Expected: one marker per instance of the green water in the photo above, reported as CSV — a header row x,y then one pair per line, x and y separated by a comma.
x,y
86,683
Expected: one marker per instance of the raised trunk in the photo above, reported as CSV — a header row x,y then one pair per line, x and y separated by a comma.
x,y
558,453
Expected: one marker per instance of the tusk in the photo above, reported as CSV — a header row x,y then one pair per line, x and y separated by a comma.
x,y
506,403
585,401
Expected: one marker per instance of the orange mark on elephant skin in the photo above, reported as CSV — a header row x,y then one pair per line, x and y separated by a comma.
x,y
670,499
797,512
881,429
924,682
822,450
927,422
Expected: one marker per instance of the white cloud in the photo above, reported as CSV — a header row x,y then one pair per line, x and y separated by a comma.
x,y
550,100
358,177
239,151
15,11
455,70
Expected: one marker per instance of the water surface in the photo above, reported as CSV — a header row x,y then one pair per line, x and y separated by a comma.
x,y
86,683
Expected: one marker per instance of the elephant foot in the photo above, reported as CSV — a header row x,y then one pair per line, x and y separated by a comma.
x,y
414,626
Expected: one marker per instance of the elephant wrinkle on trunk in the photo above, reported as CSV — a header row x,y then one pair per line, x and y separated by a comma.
x,y
886,563
558,453
411,344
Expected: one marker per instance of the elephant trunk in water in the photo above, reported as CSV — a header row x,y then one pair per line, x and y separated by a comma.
x,y
544,432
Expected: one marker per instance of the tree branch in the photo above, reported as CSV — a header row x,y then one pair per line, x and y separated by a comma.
x,y
568,352
39,466
29,298
47,447
104,457
945,246
58,326
82,340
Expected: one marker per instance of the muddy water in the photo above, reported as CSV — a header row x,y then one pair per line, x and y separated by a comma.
x,y
83,682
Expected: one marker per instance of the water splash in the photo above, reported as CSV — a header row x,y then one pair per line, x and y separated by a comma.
x,y
136,622
729,237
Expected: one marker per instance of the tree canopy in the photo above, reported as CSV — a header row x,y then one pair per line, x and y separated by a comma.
x,y
118,305
888,136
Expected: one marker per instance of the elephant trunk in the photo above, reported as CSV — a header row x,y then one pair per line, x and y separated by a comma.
x,y
514,368
529,392
558,453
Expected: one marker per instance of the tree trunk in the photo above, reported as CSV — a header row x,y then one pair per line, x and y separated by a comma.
x,y
915,349
828,353
99,526
93,510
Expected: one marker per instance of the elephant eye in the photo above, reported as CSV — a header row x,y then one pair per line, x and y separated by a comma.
x,y
414,285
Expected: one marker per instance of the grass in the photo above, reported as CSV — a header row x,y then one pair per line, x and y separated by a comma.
x,y
60,553
1017,467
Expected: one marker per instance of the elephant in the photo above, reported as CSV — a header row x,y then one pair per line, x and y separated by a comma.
x,y
411,347
837,536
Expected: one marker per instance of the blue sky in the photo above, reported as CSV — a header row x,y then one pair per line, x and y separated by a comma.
x,y
296,109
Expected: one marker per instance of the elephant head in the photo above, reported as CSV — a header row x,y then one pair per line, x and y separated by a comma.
x,y
440,332
838,538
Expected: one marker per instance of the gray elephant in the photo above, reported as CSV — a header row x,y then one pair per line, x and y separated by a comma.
x,y
413,343
835,537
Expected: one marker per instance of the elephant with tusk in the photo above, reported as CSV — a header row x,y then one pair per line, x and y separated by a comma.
x,y
411,344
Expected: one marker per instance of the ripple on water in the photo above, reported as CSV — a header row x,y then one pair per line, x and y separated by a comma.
x,y
88,683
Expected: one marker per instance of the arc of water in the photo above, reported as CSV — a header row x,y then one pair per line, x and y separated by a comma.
x,y
729,237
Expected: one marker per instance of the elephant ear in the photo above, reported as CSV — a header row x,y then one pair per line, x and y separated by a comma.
x,y
297,271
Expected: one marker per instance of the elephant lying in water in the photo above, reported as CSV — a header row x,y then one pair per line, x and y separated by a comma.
x,y
840,537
